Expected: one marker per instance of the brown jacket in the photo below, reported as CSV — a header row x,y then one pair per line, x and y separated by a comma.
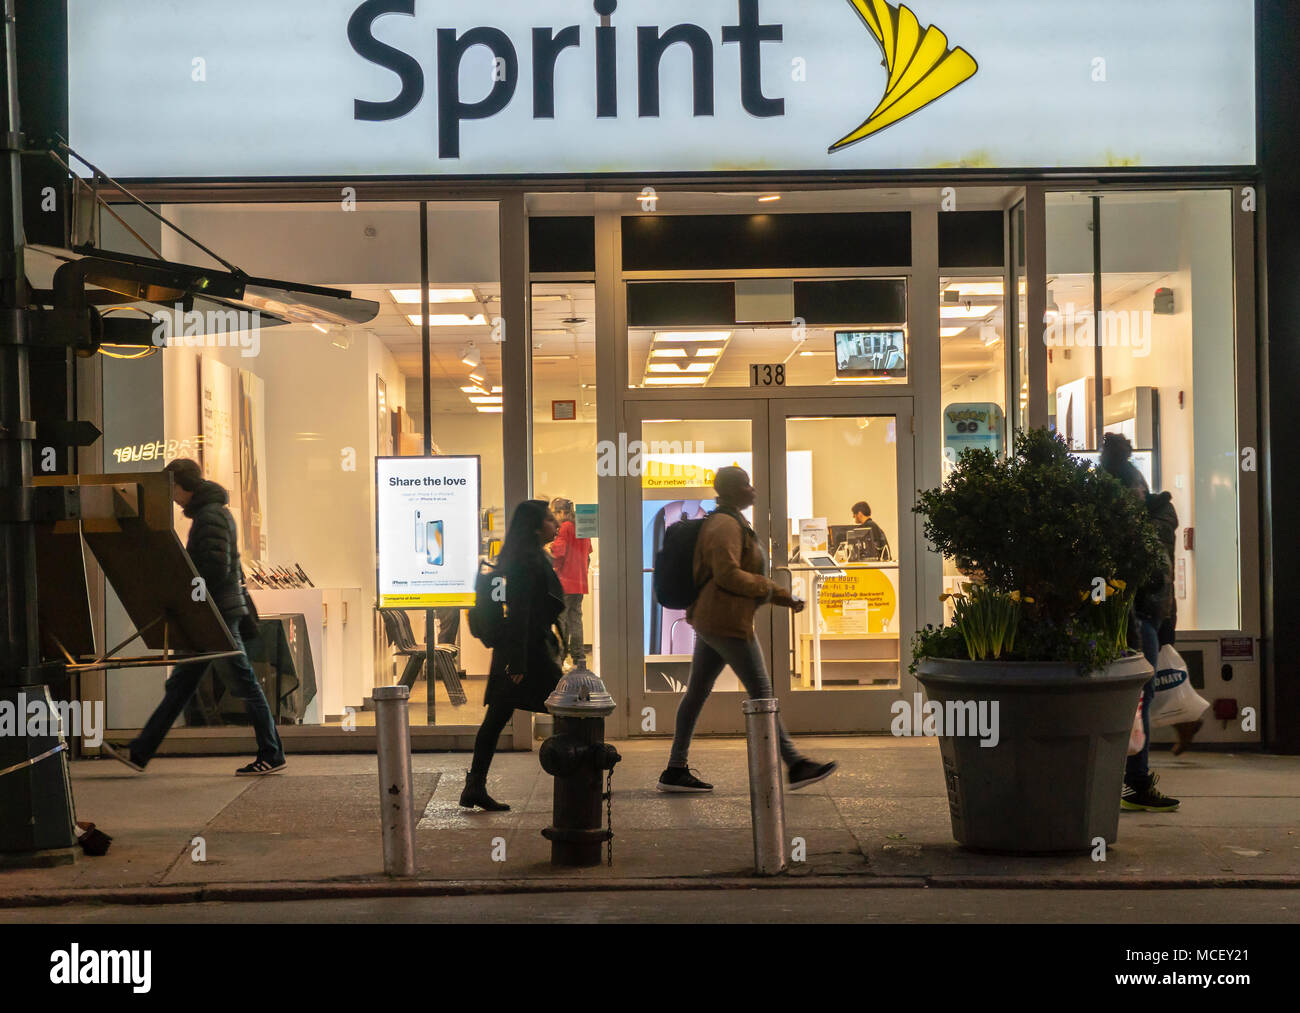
x,y
729,572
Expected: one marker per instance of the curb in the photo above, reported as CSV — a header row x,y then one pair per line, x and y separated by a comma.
x,y
371,889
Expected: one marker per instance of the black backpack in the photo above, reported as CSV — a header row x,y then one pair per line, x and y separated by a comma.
x,y
487,617
674,578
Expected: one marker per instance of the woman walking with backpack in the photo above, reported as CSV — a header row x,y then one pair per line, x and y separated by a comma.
x,y
729,569
526,659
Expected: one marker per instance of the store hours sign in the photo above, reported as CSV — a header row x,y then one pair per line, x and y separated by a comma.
x,y
428,530
344,88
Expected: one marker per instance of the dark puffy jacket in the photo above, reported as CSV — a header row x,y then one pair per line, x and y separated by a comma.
x,y
213,546
1156,602
534,601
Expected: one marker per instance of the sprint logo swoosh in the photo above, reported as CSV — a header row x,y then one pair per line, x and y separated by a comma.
x,y
922,67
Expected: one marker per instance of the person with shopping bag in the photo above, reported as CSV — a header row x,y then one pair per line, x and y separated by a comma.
x,y
1152,608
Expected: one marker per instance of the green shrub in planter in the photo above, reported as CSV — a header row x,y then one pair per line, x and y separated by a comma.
x,y
1055,552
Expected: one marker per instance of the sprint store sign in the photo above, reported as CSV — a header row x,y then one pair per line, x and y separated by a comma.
x,y
343,88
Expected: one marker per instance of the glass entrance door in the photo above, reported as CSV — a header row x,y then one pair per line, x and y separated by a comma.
x,y
842,530
834,478
673,453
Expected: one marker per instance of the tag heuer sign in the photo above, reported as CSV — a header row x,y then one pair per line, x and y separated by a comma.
x,y
340,88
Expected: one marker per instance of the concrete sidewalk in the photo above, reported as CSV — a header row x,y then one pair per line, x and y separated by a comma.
x,y
881,820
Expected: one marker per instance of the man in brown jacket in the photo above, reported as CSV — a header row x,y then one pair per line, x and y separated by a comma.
x,y
729,570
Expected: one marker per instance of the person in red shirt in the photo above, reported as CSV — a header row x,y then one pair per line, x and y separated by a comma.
x,y
571,556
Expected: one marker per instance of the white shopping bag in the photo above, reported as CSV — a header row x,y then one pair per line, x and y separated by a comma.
x,y
1137,737
1175,700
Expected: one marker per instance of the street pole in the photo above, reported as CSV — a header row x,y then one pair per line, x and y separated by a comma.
x,y
35,797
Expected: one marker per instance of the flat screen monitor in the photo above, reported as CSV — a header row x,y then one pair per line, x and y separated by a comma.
x,y
879,353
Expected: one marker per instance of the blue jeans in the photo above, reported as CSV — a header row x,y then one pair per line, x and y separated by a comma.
x,y
238,676
712,654
1137,767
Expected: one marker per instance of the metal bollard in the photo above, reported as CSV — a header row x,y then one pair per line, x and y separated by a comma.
x,y
766,798
396,813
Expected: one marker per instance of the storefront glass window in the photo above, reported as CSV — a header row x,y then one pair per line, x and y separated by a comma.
x,y
972,331
290,420
1167,336
564,453
767,333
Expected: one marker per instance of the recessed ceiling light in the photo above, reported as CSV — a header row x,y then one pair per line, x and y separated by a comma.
x,y
472,390
690,367
498,390
411,296
976,287
692,337
668,353
449,320
952,332
485,400
676,381
965,312
491,411
707,353
478,378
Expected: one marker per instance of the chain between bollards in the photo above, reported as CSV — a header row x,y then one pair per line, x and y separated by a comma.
x,y
396,810
766,798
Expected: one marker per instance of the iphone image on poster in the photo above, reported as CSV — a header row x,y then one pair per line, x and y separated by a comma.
x,y
434,542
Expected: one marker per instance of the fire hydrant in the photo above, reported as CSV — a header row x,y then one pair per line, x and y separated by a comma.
x,y
576,756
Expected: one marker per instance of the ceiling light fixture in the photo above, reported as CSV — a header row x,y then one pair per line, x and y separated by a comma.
x,y
478,378
491,411
967,312
470,356
411,296
449,320
769,198
952,332
485,400
692,337
676,381
669,353
970,288
472,390
690,367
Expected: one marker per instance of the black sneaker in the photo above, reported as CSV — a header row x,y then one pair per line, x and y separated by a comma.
x,y
680,780
259,767
1145,797
806,772
122,756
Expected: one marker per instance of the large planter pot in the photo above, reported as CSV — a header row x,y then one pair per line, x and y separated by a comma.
x,y
1052,782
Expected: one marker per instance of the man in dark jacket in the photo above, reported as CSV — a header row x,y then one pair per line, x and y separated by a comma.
x,y
213,546
1152,609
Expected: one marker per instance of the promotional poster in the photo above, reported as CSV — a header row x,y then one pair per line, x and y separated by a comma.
x,y
428,537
